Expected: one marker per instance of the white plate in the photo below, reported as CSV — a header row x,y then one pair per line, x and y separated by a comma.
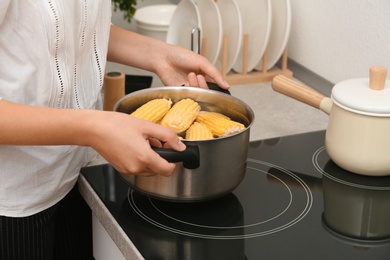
x,y
210,16
185,18
256,23
232,28
280,32
156,15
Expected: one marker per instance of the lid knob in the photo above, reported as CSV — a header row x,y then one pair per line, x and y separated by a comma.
x,y
378,76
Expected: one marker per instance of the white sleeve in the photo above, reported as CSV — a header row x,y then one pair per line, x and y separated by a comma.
x,y
3,9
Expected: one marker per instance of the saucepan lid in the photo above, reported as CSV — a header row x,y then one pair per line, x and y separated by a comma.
x,y
370,96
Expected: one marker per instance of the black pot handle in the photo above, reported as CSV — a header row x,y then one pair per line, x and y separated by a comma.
x,y
214,86
190,156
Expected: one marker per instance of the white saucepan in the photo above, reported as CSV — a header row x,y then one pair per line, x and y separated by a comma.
x,y
358,133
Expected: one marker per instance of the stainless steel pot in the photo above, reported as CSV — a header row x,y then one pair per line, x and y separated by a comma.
x,y
358,134
207,168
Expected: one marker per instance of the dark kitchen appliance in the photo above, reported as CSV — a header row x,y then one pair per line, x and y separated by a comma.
x,y
277,212
137,82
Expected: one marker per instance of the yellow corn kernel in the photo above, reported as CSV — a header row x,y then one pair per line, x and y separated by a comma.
x,y
181,115
153,110
198,131
219,124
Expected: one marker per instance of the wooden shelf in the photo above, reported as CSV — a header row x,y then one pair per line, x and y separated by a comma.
x,y
251,77
256,76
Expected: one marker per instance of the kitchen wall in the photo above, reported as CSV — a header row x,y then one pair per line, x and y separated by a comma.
x,y
340,39
335,39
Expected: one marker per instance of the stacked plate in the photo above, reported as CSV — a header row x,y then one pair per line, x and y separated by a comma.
x,y
154,20
185,23
248,28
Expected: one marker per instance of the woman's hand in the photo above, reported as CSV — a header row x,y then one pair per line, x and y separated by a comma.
x,y
180,66
174,65
125,142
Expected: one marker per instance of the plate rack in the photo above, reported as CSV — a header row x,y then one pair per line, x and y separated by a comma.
x,y
235,78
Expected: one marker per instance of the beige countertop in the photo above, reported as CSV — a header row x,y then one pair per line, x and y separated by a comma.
x,y
275,116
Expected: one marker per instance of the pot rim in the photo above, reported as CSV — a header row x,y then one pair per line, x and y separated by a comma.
x,y
249,110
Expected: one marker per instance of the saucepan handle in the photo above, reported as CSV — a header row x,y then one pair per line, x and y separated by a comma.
x,y
307,95
190,156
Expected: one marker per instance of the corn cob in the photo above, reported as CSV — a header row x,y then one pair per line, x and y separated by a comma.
x,y
181,115
153,110
219,124
216,115
198,131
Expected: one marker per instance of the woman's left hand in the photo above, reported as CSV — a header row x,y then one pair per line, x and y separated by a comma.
x,y
184,67
174,65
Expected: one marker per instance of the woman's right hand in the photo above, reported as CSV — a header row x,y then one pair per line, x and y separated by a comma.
x,y
125,142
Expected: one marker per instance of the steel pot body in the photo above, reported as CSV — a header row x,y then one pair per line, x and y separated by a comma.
x,y
221,162
359,143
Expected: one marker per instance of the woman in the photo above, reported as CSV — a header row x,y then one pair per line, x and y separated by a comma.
x,y
53,54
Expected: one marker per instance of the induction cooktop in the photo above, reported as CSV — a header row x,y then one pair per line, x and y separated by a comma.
x,y
294,203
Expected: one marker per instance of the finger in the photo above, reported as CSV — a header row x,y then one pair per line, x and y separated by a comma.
x,y
201,81
215,76
192,80
165,135
151,163
155,142
160,166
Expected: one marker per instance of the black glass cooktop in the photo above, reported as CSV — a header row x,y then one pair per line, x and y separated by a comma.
x,y
294,203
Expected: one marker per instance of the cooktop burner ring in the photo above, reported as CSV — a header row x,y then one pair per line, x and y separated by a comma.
x,y
328,168
268,225
246,225
226,227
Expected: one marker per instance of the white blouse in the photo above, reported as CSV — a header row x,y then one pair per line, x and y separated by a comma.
x,y
52,53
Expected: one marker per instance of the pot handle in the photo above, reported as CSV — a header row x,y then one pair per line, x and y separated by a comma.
x,y
215,87
290,88
190,156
